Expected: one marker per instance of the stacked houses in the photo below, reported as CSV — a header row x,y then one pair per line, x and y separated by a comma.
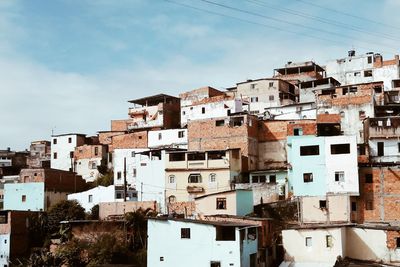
x,y
298,169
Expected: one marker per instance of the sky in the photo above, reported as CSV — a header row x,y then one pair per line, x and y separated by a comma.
x,y
72,65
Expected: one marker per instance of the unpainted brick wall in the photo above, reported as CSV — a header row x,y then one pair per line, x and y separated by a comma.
x,y
131,140
120,125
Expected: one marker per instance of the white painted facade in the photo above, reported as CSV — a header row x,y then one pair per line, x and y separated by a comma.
x,y
176,138
4,249
199,250
346,163
94,196
87,168
391,150
360,69
150,178
62,149
118,163
5,161
209,110
309,247
292,112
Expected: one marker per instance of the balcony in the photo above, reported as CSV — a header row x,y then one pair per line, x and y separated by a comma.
x,y
198,160
385,127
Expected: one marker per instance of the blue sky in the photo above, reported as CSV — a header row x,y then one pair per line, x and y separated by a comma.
x,y
70,66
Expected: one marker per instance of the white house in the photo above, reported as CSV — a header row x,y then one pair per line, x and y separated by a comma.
x,y
125,158
94,196
199,243
62,149
174,138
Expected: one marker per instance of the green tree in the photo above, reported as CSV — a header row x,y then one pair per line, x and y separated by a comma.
x,y
105,179
65,210
136,222
94,212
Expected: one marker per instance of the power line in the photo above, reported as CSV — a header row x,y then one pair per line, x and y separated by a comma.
x,y
331,41
348,14
287,22
325,20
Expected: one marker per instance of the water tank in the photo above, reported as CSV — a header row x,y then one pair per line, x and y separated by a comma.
x,y
352,53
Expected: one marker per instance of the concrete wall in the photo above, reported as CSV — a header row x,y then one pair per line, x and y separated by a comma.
x,y
391,151
198,251
169,138
5,240
318,254
337,209
87,168
293,112
207,205
120,208
118,165
63,148
34,192
98,194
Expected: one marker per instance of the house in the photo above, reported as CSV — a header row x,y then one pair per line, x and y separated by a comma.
x,y
15,237
296,111
124,165
189,174
117,209
39,189
320,165
201,243
296,72
63,148
232,202
40,154
87,160
88,199
170,138
307,89
207,103
364,68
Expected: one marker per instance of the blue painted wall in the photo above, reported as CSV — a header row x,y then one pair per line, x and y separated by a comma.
x,y
34,193
306,164
244,202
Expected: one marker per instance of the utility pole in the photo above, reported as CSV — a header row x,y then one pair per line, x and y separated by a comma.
x,y
125,183
141,191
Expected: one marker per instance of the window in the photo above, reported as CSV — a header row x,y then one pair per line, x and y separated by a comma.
x,y
161,258
397,242
307,177
69,140
215,264
93,165
368,178
271,98
185,233
197,156
133,154
309,150
23,198
353,206
357,74
3,217
369,60
225,233
194,178
398,147
322,204
253,85
212,177
368,73
90,200
381,149
361,114
71,154
213,155
119,195
134,172
96,151
183,112
55,141
177,157
254,99
297,131
369,204
159,136
172,199
308,242
271,84
203,110
181,134
55,155
221,203
329,241
219,123
378,89
171,179
119,175
340,149
272,179
339,176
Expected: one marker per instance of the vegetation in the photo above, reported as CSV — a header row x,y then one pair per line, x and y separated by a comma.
x,y
64,210
105,178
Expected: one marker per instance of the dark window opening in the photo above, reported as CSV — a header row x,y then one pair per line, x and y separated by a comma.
x,y
378,89
368,73
69,140
215,264
238,121
55,155
381,149
96,151
219,123
398,147
397,242
181,134
353,206
340,149
177,157
3,217
55,141
225,233
272,179
216,155
194,178
197,156
71,154
322,204
203,110
361,149
221,203
309,150
119,175
297,131
185,233
369,60
307,177
368,178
